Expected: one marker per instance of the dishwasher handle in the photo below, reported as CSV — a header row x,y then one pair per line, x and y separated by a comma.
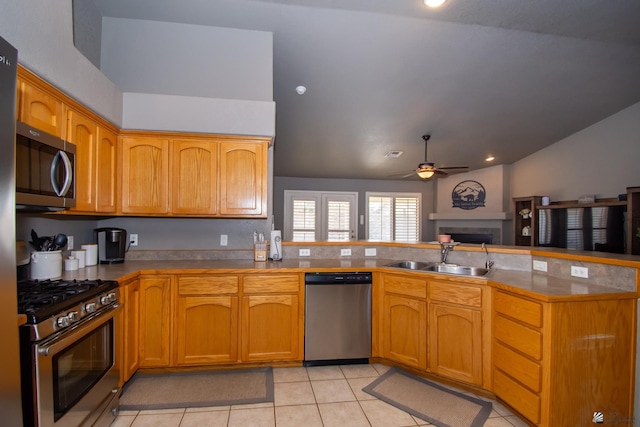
x,y
351,278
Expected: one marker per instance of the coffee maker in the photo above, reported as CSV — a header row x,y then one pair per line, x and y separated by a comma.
x,y
112,244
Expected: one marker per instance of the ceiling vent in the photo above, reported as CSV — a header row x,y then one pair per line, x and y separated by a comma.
x,y
393,154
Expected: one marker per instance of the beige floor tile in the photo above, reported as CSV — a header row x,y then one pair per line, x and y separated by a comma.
x,y
298,416
162,411
342,414
256,417
298,393
500,408
158,420
253,405
357,384
209,409
205,419
327,391
514,420
381,414
325,373
497,422
123,421
128,412
358,371
420,421
286,375
382,369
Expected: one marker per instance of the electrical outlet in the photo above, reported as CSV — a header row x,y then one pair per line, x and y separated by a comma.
x,y
370,252
133,238
345,252
580,272
304,252
70,243
539,265
224,240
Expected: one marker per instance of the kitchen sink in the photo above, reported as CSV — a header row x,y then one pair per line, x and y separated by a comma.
x,y
410,265
462,270
457,269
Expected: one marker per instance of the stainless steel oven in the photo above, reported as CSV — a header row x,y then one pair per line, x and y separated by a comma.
x,y
71,377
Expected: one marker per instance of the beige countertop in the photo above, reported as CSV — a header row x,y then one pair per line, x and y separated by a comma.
x,y
534,285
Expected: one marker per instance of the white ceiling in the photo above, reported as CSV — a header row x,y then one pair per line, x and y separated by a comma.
x,y
501,77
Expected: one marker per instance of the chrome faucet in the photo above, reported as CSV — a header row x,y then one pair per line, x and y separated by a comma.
x,y
488,263
444,251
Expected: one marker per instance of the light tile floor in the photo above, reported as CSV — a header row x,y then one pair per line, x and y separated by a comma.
x,y
323,396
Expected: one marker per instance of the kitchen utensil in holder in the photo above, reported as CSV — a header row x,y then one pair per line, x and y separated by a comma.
x,y
260,252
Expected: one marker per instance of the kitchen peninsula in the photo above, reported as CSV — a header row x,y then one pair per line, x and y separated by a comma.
x,y
521,335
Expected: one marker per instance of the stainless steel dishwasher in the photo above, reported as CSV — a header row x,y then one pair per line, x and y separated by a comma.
x,y
337,328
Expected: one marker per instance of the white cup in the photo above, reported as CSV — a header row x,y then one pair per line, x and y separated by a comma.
x,y
70,264
91,254
81,256
46,265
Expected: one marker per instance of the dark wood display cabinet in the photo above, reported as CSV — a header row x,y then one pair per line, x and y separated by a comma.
x,y
633,220
524,221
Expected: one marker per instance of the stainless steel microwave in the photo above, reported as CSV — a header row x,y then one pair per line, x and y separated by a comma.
x,y
45,170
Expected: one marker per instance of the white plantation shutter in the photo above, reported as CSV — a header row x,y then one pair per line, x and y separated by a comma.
x,y
304,220
393,216
338,220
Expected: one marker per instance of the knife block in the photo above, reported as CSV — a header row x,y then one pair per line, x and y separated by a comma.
x,y
260,252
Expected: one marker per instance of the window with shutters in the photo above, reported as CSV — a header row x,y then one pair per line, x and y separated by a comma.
x,y
320,215
393,216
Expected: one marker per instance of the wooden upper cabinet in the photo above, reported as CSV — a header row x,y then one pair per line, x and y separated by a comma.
x,y
145,175
39,108
82,132
194,177
243,179
106,170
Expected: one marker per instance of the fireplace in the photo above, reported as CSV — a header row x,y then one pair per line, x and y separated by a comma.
x,y
474,235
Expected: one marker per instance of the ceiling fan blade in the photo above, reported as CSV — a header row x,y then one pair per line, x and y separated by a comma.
x,y
439,172
453,167
402,174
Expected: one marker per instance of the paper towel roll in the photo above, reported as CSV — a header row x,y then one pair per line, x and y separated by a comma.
x,y
275,248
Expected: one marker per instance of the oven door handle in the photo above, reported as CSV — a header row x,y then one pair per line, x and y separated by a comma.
x,y
68,337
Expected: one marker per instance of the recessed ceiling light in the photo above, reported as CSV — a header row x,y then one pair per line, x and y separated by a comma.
x,y
434,3
490,159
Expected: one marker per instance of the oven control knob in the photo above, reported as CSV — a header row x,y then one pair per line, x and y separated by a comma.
x,y
63,321
90,308
73,316
104,300
112,297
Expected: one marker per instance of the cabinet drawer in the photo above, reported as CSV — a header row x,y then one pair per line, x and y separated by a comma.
x,y
521,309
455,293
207,285
517,366
521,399
403,285
289,283
518,336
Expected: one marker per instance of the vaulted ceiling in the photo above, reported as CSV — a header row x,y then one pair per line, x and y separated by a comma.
x,y
499,77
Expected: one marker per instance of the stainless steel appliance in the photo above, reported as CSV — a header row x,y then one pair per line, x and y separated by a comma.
x,y
112,245
337,326
68,350
45,170
10,407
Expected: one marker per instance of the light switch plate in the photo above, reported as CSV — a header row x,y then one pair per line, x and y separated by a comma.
x,y
580,272
370,252
224,240
539,265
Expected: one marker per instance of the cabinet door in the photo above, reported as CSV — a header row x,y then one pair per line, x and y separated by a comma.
x,y
455,342
270,328
82,132
106,172
39,109
404,323
145,175
207,330
155,321
194,172
131,300
243,179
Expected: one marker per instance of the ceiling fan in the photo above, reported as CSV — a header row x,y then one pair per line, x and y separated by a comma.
x,y
427,169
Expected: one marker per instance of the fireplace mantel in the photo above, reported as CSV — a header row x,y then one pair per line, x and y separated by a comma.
x,y
472,216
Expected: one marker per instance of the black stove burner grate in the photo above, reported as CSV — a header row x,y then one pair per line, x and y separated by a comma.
x,y
39,299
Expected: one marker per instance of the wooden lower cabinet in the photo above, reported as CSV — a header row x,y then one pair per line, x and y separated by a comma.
x,y
404,320
206,322
557,363
272,327
155,321
130,297
456,331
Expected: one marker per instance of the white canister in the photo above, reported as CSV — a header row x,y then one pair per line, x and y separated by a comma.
x,y
545,201
81,256
70,264
46,265
91,252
